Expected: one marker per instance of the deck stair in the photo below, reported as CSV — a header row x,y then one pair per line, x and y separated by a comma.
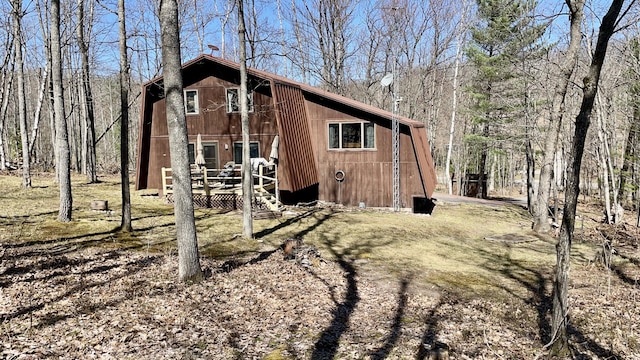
x,y
264,197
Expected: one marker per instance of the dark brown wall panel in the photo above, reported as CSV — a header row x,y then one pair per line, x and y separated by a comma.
x,y
424,159
368,172
297,159
213,123
300,114
160,158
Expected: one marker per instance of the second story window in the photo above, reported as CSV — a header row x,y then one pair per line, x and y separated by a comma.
x,y
233,100
191,102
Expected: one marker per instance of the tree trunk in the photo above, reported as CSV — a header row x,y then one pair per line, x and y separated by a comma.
x,y
602,155
530,172
22,107
559,320
541,206
36,115
454,107
46,34
125,224
482,179
7,80
247,178
630,146
89,144
188,257
63,165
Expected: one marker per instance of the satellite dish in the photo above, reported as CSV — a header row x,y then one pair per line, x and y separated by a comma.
x,y
387,80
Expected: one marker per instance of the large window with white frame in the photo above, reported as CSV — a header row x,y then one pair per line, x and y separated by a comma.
x,y
191,106
233,100
352,135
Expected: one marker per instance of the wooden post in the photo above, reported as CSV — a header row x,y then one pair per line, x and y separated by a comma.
x,y
277,189
164,180
205,179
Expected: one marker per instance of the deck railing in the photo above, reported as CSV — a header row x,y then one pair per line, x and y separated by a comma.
x,y
206,181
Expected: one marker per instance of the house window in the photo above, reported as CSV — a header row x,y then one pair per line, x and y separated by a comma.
x,y
191,102
210,155
358,135
233,100
254,150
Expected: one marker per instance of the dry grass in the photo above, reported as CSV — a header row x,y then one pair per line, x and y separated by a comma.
x,y
448,249
399,282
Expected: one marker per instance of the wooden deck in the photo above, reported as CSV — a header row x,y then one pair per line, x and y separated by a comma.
x,y
222,188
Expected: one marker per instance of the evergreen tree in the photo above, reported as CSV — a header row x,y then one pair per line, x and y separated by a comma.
x,y
506,35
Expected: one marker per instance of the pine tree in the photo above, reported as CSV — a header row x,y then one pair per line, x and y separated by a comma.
x,y
505,36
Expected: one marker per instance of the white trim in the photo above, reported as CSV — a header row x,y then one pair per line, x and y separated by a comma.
x,y
196,103
362,135
228,100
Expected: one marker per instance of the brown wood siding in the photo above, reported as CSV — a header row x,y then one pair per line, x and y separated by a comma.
x,y
368,177
297,160
424,159
300,114
212,122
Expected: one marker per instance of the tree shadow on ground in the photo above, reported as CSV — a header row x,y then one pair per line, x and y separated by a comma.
x,y
131,268
74,242
25,219
536,282
622,274
236,262
53,262
394,333
578,342
430,346
287,222
533,280
327,344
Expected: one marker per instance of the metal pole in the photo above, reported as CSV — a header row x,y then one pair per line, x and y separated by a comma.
x,y
395,137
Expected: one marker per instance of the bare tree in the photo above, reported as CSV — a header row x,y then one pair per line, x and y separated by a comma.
x,y
63,165
86,101
6,75
125,224
22,107
540,208
188,258
36,116
559,318
224,15
325,30
633,135
45,31
460,39
247,178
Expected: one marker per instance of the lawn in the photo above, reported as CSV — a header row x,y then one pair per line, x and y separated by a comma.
x,y
470,281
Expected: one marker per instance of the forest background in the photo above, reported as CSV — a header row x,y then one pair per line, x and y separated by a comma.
x,y
346,47
507,90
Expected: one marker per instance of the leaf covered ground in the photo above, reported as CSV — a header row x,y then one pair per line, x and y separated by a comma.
x,y
388,286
